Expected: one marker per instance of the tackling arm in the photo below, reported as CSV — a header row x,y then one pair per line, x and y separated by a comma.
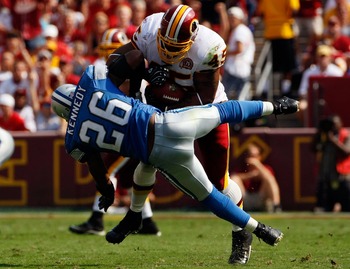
x,y
121,50
130,65
206,84
103,184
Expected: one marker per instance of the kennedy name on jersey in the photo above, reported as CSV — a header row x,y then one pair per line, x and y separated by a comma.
x,y
76,104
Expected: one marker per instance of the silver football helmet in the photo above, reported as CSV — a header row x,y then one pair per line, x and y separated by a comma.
x,y
61,100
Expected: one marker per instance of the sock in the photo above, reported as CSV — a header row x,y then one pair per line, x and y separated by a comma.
x,y
233,192
145,175
251,225
267,108
95,205
147,210
138,197
224,208
238,111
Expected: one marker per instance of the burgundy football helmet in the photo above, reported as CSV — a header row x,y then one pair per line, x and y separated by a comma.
x,y
176,34
112,39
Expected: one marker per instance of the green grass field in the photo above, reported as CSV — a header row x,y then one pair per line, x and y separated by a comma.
x,y
189,240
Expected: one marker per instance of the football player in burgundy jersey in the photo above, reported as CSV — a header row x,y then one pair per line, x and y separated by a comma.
x,y
193,54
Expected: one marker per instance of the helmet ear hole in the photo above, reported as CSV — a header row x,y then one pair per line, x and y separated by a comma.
x,y
61,100
194,27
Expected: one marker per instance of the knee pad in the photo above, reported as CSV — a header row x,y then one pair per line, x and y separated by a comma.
x,y
234,193
144,175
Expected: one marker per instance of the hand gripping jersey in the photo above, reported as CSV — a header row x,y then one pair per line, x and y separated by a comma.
x,y
103,119
208,52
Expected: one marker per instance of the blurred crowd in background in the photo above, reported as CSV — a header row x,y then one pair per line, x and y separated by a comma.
x,y
45,43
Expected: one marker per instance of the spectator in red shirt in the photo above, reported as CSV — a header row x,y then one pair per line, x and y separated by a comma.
x,y
58,48
5,21
106,6
334,38
24,109
70,30
9,119
259,186
26,15
155,6
124,14
15,44
309,21
138,8
99,25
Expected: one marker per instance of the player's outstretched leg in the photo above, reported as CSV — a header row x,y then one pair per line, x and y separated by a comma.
x,y
241,247
268,234
131,223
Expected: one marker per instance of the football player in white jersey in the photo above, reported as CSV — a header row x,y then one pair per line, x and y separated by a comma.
x,y
7,146
120,168
193,54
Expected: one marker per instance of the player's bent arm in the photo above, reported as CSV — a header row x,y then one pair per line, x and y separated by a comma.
x,y
130,65
263,171
121,50
103,184
99,172
206,84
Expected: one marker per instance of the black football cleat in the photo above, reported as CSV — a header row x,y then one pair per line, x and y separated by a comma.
x,y
131,223
285,105
87,228
268,234
241,247
149,227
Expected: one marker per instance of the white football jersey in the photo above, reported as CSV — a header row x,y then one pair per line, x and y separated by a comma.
x,y
207,52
